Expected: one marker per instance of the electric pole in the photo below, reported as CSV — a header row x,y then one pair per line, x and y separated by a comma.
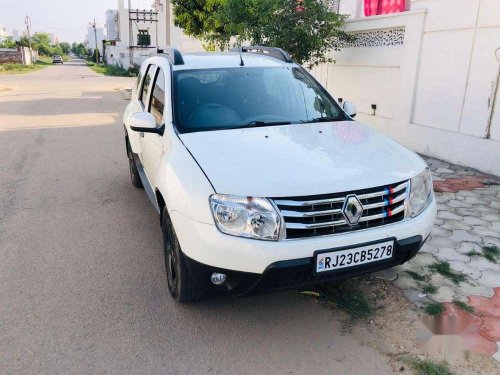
x,y
27,22
96,47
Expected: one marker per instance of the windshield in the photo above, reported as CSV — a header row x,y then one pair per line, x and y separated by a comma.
x,y
229,98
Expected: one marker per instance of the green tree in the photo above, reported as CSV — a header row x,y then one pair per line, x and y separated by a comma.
x,y
202,19
306,29
23,42
41,39
8,43
80,49
65,47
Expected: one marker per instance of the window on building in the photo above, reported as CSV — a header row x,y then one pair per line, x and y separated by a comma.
x,y
376,7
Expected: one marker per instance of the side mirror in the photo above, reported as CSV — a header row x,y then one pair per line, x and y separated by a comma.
x,y
144,122
350,108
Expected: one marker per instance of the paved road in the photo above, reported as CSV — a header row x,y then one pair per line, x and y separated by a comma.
x,y
82,282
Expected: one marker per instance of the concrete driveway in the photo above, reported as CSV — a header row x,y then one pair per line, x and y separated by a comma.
x,y
82,282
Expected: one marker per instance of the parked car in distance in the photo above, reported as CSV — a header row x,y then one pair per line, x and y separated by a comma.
x,y
56,59
262,181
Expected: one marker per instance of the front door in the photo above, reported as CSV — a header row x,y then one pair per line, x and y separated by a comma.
x,y
152,144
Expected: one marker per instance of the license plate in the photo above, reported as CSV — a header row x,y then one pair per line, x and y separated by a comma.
x,y
355,256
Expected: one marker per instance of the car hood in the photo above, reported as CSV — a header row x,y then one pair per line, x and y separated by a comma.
x,y
298,160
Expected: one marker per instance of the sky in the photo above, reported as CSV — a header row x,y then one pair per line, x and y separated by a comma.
x,y
67,19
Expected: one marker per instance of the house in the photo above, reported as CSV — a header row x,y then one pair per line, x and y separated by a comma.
x,y
94,36
135,34
3,33
425,72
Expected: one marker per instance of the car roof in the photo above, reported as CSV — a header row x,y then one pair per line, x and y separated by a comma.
x,y
212,60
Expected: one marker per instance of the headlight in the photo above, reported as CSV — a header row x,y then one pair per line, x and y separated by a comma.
x,y
249,217
421,192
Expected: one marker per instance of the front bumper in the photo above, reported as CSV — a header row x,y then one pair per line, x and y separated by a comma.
x,y
205,244
296,273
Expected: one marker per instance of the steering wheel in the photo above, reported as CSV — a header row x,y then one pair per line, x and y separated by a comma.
x,y
203,107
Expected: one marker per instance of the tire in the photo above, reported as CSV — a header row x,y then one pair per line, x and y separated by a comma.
x,y
181,284
134,172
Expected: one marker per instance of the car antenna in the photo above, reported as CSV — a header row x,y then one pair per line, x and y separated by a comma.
x,y
241,56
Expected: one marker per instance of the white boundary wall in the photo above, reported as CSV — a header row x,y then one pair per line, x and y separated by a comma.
x,y
434,91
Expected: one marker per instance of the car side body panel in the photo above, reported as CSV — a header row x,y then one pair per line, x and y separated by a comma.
x,y
182,184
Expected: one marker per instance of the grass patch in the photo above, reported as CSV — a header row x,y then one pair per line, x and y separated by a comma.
x,y
445,270
348,296
473,253
464,306
15,68
110,70
434,309
416,276
429,289
426,367
491,252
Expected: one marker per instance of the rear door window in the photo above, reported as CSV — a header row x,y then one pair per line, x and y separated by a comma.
x,y
157,101
146,84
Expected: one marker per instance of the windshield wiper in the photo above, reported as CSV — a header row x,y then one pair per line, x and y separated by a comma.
x,y
321,119
256,124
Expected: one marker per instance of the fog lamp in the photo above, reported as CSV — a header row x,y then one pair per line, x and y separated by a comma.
x,y
218,278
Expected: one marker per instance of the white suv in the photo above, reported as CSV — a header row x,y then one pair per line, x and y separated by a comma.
x,y
262,181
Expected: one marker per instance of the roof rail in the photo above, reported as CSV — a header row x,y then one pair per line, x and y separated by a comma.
x,y
275,52
173,54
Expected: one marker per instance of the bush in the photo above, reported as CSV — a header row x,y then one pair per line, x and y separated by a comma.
x,y
134,70
109,70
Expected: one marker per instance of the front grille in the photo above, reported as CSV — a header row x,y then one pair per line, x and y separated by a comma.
x,y
323,214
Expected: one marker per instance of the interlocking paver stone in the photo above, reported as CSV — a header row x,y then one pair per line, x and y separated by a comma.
x,y
447,253
448,216
439,280
472,287
484,306
491,241
473,220
428,248
454,225
484,232
416,297
467,247
458,204
446,293
490,328
473,199
490,278
462,267
423,260
441,232
491,217
438,242
462,235
405,282
468,218
483,264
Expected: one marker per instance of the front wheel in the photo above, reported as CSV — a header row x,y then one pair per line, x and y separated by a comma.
x,y
181,283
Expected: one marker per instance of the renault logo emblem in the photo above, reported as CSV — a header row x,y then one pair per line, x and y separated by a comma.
x,y
352,210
